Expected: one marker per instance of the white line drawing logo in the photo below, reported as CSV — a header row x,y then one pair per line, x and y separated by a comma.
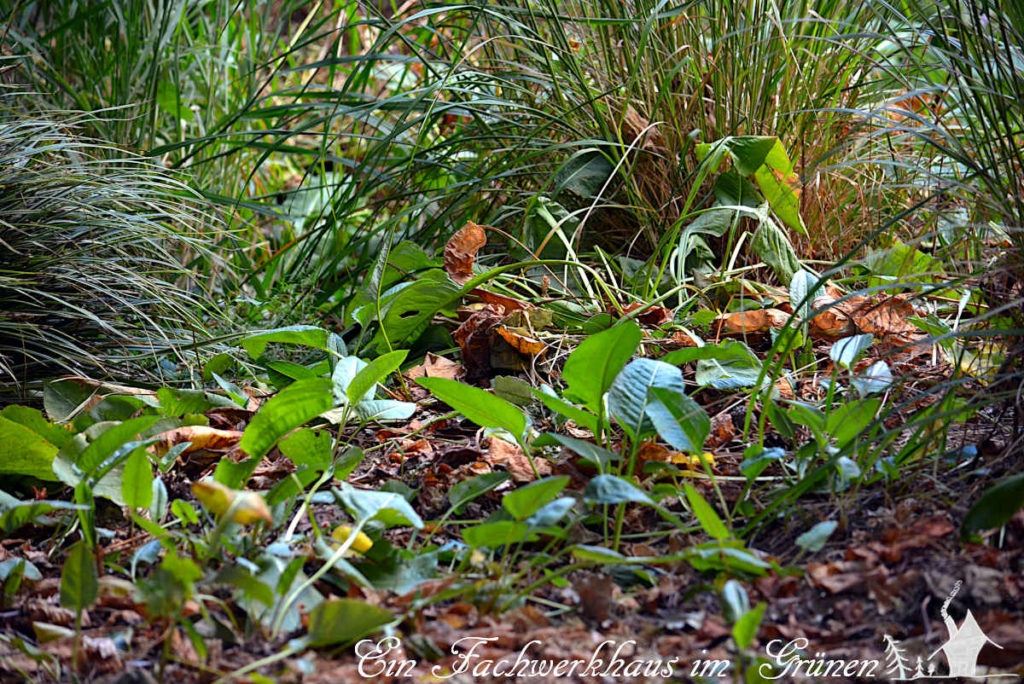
x,y
960,650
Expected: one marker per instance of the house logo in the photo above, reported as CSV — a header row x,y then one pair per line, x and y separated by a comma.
x,y
960,650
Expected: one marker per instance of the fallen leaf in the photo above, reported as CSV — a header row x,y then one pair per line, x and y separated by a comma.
x,y
723,431
757,320
461,250
883,316
200,438
521,343
654,316
474,339
247,506
361,544
512,458
596,593
499,300
435,366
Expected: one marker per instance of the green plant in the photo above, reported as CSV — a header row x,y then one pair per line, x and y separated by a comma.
x,y
96,256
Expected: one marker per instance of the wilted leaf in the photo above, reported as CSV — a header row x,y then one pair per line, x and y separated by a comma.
x,y
521,343
747,322
199,437
461,250
247,507
344,620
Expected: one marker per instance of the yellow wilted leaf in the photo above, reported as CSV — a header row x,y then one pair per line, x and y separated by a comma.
x,y
694,461
248,506
361,544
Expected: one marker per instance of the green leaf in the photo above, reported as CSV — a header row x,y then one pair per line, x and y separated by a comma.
x,y
344,621
849,420
15,515
106,444
844,352
995,507
243,580
388,507
584,419
63,398
293,406
596,554
384,409
585,173
57,435
306,335
525,501
307,447
24,452
876,378
609,489
376,371
137,480
705,514
409,312
732,365
467,490
629,395
803,288
483,408
735,602
680,420
744,631
593,366
495,534
600,456
815,538
79,585
772,244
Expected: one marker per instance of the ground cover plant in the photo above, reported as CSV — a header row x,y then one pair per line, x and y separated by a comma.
x,y
408,341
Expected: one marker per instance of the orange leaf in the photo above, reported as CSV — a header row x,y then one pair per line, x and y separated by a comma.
x,y
461,250
521,343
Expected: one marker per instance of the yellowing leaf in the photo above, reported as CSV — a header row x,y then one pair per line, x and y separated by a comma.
x,y
361,544
247,507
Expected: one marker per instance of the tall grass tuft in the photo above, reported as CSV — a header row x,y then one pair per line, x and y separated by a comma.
x,y
97,255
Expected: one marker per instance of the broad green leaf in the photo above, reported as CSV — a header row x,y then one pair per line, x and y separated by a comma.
x,y
137,480
307,447
552,512
876,378
845,352
293,406
735,601
345,620
495,534
772,244
467,490
628,397
600,456
24,452
584,419
593,366
849,420
388,507
57,435
243,580
815,538
409,312
306,335
585,173
513,390
376,371
609,489
483,408
745,629
106,444
732,365
525,501
63,398
597,554
803,288
705,514
15,515
384,409
79,584
995,507
345,371
680,420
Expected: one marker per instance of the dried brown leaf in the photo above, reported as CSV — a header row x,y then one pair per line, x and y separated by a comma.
x,y
461,250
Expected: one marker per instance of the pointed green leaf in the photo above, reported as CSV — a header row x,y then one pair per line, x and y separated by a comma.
x,y
592,367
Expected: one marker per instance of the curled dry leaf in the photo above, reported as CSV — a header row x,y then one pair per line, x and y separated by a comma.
x,y
883,316
200,438
500,301
746,322
512,458
474,339
653,317
521,343
461,250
